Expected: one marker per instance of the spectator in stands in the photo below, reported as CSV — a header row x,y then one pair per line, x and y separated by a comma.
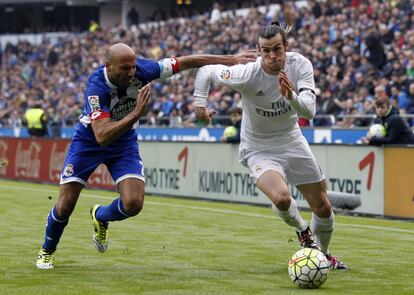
x,y
151,119
347,113
35,119
133,17
175,120
215,13
410,100
236,118
397,130
55,123
93,26
331,34
386,34
375,50
398,99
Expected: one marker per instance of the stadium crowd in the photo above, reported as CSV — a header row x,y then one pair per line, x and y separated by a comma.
x,y
359,49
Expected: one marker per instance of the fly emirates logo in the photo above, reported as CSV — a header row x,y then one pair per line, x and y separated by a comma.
x,y
278,108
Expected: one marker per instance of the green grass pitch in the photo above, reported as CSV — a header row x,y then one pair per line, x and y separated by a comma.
x,y
178,246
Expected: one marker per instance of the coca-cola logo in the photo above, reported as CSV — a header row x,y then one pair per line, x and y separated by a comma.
x,y
57,159
3,156
27,160
101,176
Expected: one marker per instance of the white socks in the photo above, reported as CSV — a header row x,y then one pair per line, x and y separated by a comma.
x,y
292,216
322,229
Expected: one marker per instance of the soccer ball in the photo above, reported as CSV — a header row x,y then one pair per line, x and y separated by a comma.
x,y
308,268
376,130
230,131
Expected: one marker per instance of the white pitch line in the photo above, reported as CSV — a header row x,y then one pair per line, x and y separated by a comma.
x,y
224,211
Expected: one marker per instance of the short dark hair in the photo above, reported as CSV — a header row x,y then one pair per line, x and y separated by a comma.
x,y
236,110
269,31
382,100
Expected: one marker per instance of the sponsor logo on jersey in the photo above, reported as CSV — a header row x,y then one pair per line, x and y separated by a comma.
x,y
68,171
280,104
273,113
124,106
260,93
225,75
93,101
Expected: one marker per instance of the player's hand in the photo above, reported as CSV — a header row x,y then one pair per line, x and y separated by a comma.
x,y
286,87
245,56
143,97
204,114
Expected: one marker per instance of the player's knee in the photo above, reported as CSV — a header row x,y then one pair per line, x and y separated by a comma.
x,y
323,208
68,196
281,199
133,206
64,209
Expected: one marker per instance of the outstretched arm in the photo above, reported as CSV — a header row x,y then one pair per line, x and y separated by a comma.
x,y
234,77
202,88
199,60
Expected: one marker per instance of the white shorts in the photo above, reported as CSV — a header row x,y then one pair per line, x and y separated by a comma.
x,y
294,161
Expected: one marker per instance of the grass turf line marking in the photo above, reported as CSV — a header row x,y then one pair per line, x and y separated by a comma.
x,y
213,210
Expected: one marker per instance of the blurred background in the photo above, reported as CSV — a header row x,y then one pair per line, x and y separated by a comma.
x,y
360,50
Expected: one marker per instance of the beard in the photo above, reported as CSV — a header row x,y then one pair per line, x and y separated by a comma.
x,y
273,67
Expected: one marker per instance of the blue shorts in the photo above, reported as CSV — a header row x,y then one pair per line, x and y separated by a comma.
x,y
82,160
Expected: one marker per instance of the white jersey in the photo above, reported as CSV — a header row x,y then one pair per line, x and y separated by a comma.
x,y
268,117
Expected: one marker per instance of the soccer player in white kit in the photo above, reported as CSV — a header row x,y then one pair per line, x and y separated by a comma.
x,y
275,90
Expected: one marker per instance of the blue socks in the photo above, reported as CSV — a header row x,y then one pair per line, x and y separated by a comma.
x,y
55,225
113,212
54,230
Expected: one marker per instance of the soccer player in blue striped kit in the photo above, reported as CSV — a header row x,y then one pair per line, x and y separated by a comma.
x,y
116,96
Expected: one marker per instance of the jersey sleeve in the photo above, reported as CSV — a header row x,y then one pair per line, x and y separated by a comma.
x,y
305,80
168,67
233,77
147,69
304,101
96,102
151,70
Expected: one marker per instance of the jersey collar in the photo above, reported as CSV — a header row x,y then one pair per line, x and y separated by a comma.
x,y
107,79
